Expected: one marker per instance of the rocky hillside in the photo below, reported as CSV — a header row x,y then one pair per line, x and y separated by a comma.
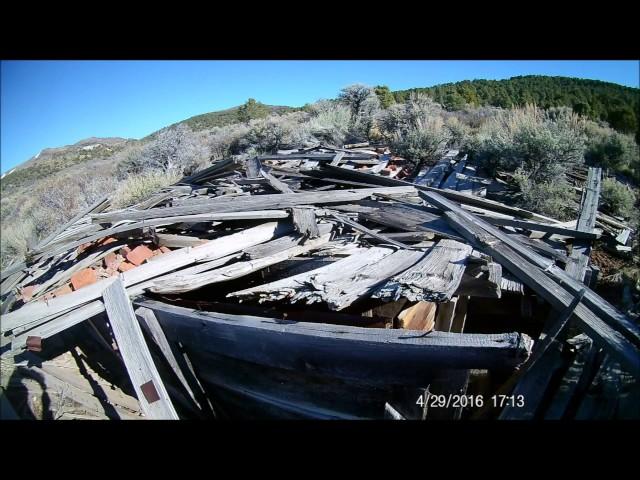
x,y
53,160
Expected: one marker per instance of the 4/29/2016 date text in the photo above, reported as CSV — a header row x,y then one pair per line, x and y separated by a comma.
x,y
469,401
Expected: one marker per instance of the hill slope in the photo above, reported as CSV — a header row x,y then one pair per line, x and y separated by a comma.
x,y
616,104
52,160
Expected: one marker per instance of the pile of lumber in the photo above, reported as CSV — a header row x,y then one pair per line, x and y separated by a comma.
x,y
322,236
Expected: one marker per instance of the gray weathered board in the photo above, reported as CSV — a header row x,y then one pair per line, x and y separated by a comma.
x,y
151,392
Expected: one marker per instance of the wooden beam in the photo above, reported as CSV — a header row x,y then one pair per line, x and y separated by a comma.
x,y
625,351
337,350
435,277
151,392
541,227
168,262
371,233
150,325
304,221
603,309
275,183
579,258
252,202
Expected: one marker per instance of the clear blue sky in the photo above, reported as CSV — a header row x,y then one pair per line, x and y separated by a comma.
x,y
55,103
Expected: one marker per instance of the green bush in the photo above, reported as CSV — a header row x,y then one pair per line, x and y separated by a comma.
x,y
553,198
618,199
613,150
423,142
544,144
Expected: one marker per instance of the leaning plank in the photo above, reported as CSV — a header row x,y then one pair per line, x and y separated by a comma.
x,y
211,250
434,278
243,203
420,316
337,158
151,392
337,350
275,183
579,259
150,325
603,309
619,346
444,317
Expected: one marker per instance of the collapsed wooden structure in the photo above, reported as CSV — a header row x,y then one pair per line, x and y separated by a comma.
x,y
330,283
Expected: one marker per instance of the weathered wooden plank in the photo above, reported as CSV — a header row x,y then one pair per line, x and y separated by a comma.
x,y
150,325
244,203
253,166
211,250
180,282
404,217
435,175
444,317
553,293
337,350
579,258
275,183
150,390
452,180
178,241
371,233
460,315
304,222
603,309
348,286
337,158
435,277
541,227
340,283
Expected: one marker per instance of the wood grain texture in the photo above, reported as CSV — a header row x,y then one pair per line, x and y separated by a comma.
x,y
168,262
435,277
304,222
376,356
254,202
135,354
547,288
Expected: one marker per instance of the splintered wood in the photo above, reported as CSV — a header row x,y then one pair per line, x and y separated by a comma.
x,y
343,247
434,278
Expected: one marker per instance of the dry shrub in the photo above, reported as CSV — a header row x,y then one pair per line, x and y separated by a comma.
x,y
542,143
137,188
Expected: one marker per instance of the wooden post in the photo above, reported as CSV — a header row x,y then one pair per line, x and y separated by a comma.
x,y
151,392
